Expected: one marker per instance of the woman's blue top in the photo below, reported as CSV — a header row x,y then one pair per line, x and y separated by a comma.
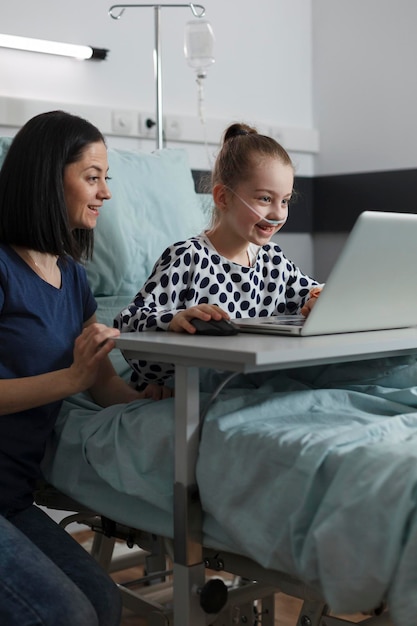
x,y
38,327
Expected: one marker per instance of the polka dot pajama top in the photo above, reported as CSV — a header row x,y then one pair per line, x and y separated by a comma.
x,y
192,272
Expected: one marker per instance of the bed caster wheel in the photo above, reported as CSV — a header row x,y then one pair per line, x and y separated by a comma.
x,y
213,596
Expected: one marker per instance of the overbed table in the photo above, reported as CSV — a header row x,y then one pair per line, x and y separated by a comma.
x,y
243,353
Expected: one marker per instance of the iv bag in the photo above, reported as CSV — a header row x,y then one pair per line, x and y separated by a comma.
x,y
199,45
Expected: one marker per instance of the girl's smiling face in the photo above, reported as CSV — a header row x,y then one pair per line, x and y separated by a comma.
x,y
85,186
268,191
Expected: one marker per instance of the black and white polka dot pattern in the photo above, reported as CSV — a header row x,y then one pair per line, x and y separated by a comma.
x,y
192,272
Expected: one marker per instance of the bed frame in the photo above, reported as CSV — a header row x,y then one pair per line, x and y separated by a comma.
x,y
237,589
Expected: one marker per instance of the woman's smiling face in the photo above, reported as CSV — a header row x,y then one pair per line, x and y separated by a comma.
x,y
85,186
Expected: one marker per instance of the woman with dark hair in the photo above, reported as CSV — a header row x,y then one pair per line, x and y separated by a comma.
x,y
52,187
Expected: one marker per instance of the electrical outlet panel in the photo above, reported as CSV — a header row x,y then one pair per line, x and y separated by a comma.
x,y
147,125
124,122
172,127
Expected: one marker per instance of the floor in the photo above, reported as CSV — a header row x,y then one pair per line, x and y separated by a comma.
x,y
286,608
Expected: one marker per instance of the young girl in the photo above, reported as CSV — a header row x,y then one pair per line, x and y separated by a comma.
x,y
233,269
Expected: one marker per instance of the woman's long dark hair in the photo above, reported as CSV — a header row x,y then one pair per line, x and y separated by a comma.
x,y
33,212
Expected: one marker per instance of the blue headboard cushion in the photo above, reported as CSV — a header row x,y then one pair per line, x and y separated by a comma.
x,y
154,204
4,146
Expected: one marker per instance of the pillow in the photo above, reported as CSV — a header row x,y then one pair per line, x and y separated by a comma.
x,y
154,204
207,204
4,146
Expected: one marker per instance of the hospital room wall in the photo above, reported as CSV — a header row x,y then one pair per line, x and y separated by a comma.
x,y
262,71
344,69
262,75
364,105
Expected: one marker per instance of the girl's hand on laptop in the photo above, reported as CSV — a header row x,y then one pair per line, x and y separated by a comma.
x,y
314,294
181,321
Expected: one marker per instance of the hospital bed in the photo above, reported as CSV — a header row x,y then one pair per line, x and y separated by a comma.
x,y
283,496
295,476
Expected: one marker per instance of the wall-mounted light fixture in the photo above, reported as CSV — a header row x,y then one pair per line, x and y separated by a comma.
x,y
53,47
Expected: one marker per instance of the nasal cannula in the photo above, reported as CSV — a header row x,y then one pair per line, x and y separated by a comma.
x,y
270,222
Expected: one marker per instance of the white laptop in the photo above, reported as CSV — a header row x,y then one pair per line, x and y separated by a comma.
x,y
372,286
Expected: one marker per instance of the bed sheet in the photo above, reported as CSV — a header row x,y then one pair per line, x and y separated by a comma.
x,y
312,472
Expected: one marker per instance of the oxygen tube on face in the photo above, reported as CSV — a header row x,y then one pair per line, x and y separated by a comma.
x,y
264,219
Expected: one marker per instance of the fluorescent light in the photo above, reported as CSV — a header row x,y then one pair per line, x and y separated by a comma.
x,y
52,47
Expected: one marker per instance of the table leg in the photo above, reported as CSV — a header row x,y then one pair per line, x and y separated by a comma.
x,y
188,563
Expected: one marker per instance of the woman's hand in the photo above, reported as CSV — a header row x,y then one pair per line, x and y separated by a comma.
x,y
90,349
314,294
156,392
91,368
96,373
181,321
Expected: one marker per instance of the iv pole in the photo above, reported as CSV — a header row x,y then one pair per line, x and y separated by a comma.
x,y
198,11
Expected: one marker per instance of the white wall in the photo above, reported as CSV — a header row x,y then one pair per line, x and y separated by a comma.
x,y
344,67
365,85
262,74
364,93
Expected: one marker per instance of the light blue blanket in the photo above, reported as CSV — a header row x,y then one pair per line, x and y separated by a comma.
x,y
312,472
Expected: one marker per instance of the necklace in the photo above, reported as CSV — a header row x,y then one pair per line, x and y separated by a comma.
x,y
38,267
